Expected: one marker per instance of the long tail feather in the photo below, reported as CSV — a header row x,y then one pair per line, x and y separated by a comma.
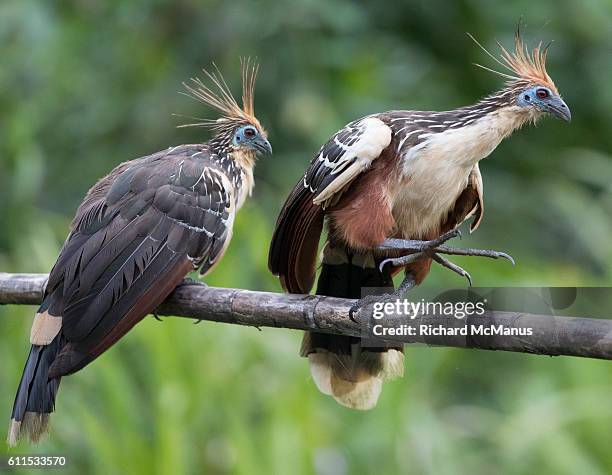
x,y
340,366
35,399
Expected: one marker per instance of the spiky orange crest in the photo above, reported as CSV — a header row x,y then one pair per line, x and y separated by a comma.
x,y
222,99
521,63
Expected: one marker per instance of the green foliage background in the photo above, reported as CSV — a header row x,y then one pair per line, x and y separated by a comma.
x,y
87,84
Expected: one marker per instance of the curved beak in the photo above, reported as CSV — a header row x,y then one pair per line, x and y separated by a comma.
x,y
262,145
557,107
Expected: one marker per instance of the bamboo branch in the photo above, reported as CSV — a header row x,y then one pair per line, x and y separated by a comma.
x,y
551,335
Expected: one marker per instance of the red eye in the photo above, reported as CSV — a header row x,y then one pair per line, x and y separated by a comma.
x,y
542,93
249,133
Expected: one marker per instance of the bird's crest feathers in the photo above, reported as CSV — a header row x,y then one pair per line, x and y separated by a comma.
x,y
219,97
522,64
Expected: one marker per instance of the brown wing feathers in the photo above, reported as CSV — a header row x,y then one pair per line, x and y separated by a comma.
x,y
108,282
162,275
293,251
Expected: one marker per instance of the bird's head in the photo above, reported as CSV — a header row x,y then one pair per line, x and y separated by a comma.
x,y
250,137
540,99
237,130
530,90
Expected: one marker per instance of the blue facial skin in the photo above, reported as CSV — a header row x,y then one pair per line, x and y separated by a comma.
x,y
543,99
249,137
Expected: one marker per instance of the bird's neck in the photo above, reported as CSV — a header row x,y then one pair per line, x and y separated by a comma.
x,y
245,160
475,131
237,161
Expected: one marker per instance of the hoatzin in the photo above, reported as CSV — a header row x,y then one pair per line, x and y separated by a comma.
x,y
138,232
393,187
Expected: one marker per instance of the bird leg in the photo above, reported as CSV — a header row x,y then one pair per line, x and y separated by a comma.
x,y
419,250
407,284
432,249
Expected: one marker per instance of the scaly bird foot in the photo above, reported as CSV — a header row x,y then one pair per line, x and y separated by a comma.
x,y
433,248
190,281
407,284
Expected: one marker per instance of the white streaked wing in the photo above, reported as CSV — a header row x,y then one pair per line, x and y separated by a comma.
x,y
344,157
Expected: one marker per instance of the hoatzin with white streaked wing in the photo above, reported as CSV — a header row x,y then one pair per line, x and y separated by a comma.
x,y
138,232
393,187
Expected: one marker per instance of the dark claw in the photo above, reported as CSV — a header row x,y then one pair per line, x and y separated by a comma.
x,y
454,267
156,316
503,255
352,311
401,261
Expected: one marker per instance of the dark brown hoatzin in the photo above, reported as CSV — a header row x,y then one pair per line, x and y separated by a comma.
x,y
393,188
138,232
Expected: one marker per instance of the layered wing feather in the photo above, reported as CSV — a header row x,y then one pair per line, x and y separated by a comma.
x,y
136,235
351,151
345,156
470,203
